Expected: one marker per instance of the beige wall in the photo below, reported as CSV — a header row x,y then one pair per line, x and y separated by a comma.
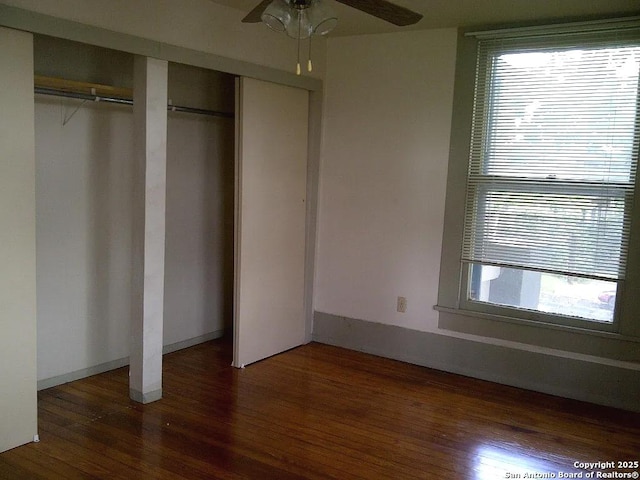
x,y
18,421
383,175
201,25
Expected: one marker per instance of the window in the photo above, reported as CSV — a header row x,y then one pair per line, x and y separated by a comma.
x,y
552,169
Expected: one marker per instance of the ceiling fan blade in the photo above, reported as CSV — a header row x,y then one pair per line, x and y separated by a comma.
x,y
386,11
254,16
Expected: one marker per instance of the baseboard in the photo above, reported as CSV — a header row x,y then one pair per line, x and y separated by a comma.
x,y
122,362
174,347
566,377
82,373
145,398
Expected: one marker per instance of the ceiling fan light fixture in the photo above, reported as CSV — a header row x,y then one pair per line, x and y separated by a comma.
x,y
322,17
325,26
299,27
300,18
277,15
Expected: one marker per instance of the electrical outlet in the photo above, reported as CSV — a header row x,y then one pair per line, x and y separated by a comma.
x,y
402,304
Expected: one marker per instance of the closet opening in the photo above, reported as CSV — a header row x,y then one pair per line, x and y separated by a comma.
x,y
84,194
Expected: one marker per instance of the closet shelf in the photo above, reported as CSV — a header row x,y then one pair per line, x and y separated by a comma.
x,y
86,88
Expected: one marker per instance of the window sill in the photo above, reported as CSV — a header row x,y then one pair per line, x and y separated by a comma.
x,y
536,324
610,345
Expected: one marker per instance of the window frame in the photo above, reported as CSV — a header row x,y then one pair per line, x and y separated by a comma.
x,y
467,316
486,94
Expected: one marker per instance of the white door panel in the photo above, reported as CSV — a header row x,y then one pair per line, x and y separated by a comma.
x,y
271,173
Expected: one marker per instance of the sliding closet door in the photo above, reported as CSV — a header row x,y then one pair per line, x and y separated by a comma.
x,y
18,396
271,172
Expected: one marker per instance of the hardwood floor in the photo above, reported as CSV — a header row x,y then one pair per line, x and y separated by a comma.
x,y
315,412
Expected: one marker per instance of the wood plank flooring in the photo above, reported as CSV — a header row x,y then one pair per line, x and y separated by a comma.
x,y
315,412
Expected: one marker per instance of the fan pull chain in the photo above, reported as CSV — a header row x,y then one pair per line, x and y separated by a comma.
x,y
298,69
309,64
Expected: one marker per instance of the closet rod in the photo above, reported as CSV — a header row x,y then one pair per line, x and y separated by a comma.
x,y
126,101
200,111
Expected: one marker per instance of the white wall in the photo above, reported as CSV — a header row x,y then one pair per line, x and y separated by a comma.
x,y
197,24
198,296
83,191
18,414
388,104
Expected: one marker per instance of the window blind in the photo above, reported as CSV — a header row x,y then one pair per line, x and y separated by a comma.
x,y
554,152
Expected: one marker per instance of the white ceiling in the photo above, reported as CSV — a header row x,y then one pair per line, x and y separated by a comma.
x,y
454,13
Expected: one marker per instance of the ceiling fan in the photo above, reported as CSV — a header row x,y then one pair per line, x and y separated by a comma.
x,y
382,9
301,19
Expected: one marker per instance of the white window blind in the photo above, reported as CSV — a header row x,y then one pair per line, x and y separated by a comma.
x,y
554,152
